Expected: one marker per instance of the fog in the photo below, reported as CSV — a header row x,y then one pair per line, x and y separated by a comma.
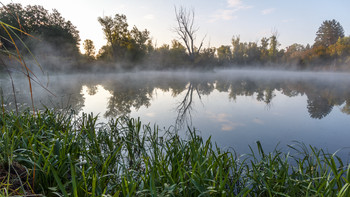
x,y
65,88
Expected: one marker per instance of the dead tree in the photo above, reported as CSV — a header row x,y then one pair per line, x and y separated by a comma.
x,y
186,30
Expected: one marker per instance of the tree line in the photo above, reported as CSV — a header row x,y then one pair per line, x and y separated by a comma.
x,y
55,38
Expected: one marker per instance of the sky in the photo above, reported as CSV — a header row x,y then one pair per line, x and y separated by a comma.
x,y
295,21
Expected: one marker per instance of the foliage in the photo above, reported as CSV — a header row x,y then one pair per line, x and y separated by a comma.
x,y
224,54
328,33
129,48
122,44
273,50
57,153
89,49
52,30
12,37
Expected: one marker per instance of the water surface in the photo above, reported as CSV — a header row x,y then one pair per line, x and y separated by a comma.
x,y
235,107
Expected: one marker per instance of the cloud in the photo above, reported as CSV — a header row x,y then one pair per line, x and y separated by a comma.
x,y
267,11
149,17
223,118
223,15
234,3
229,12
230,126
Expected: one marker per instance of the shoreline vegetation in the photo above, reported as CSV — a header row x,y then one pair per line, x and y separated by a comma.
x,y
57,153
55,43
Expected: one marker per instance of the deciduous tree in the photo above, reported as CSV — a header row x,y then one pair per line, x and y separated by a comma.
x,y
122,44
224,54
89,49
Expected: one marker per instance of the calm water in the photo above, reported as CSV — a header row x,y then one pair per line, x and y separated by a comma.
x,y
237,108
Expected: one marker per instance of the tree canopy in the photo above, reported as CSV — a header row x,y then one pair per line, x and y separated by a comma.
x,y
89,48
51,30
122,44
329,33
129,47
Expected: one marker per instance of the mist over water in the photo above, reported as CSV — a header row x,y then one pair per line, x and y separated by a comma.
x,y
236,107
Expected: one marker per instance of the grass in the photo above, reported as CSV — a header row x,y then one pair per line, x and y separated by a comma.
x,y
56,153
12,37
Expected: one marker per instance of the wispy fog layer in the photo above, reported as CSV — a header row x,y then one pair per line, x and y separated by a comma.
x,y
67,88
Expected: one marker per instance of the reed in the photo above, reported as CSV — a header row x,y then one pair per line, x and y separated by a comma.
x,y
16,61
57,153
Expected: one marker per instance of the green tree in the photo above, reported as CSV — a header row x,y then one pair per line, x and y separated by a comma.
x,y
57,36
341,48
207,57
328,33
89,49
253,52
117,35
238,51
122,44
273,49
224,54
264,53
177,55
137,47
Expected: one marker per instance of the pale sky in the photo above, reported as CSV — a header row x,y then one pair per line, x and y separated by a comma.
x,y
296,21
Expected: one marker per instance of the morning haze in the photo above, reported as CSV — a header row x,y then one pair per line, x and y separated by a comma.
x,y
217,112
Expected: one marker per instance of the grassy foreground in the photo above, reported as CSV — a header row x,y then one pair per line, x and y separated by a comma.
x,y
55,153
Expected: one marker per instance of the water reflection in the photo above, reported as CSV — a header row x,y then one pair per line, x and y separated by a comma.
x,y
236,108
129,92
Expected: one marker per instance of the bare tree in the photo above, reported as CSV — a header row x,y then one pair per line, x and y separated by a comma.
x,y
187,30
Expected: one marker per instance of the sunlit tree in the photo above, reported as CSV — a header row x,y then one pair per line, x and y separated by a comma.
x,y
273,48
341,48
123,44
89,48
224,54
264,53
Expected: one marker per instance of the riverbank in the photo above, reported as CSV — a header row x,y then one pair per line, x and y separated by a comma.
x,y
58,153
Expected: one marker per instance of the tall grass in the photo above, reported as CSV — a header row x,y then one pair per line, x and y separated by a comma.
x,y
56,153
15,56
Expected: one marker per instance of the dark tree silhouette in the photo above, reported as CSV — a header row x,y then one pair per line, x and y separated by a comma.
x,y
328,33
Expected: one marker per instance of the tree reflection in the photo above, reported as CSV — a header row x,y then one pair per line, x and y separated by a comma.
x,y
131,91
318,107
125,95
185,107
